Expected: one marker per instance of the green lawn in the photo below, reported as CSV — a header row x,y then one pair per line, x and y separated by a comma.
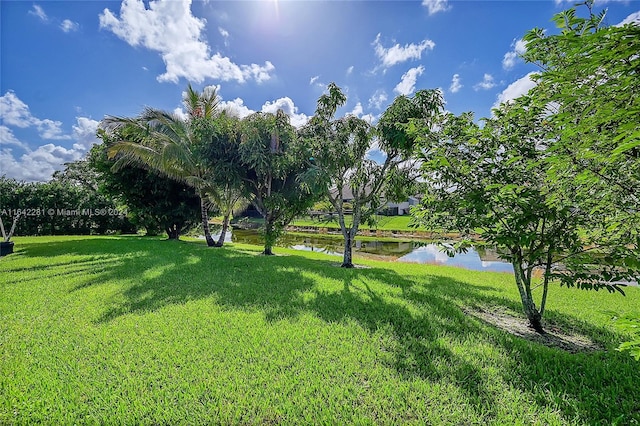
x,y
383,223
136,330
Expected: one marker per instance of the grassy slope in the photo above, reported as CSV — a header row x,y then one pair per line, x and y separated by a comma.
x,y
134,330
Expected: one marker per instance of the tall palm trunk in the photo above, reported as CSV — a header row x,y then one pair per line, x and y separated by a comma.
x,y
223,233
205,220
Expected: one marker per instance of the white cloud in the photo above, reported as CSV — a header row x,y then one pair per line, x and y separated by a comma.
x,y
14,112
315,81
357,110
236,108
455,84
259,73
516,89
84,133
435,6
350,70
396,54
169,27
486,83
408,83
634,18
8,138
39,12
49,129
370,118
378,99
179,112
38,165
41,163
519,47
68,26
287,105
225,34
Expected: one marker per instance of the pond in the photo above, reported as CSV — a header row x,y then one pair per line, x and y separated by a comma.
x,y
480,259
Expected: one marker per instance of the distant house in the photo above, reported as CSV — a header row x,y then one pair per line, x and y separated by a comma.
x,y
388,208
403,208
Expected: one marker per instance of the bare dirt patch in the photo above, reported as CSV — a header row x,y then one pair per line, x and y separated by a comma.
x,y
554,337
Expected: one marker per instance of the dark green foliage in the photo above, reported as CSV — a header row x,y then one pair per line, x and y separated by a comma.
x,y
69,204
422,108
153,202
274,163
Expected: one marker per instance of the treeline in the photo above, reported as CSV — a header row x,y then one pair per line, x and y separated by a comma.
x,y
87,197
60,207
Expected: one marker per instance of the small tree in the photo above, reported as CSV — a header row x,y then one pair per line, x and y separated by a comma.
x,y
589,84
274,165
220,150
590,90
492,180
340,151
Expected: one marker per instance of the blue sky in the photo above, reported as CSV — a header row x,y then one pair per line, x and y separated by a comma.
x,y
66,64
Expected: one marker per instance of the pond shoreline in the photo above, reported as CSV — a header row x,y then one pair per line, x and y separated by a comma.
x,y
420,235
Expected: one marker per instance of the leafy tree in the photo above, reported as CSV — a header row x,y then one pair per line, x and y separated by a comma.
x,y
588,91
220,149
275,163
492,180
589,87
340,150
152,201
167,144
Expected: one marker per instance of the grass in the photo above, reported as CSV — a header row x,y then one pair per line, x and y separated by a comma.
x,y
384,223
136,330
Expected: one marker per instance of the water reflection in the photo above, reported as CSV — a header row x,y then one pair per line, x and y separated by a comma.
x,y
481,259
478,260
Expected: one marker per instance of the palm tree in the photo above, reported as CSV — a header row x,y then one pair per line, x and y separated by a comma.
x,y
167,143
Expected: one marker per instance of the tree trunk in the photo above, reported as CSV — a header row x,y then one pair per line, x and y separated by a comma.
x,y
528,305
205,221
173,232
347,258
223,232
269,237
349,237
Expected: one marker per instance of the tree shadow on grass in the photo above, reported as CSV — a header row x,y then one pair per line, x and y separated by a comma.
x,y
73,257
423,315
593,387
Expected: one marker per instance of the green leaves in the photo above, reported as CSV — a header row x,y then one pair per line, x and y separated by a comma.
x,y
631,325
397,124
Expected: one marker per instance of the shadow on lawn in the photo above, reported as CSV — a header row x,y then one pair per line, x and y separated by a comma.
x,y
422,316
